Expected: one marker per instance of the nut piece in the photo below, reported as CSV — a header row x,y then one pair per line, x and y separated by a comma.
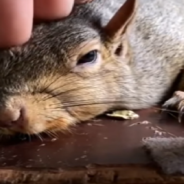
x,y
5,131
125,114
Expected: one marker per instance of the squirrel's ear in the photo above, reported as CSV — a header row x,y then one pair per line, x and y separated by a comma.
x,y
120,22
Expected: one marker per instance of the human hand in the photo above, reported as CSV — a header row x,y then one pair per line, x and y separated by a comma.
x,y
16,17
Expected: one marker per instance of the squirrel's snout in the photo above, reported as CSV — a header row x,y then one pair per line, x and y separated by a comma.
x,y
13,118
32,114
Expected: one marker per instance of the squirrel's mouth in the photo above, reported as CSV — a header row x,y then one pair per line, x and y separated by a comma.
x,y
6,131
47,113
43,114
7,134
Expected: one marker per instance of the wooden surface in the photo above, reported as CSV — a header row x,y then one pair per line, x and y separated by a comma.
x,y
103,149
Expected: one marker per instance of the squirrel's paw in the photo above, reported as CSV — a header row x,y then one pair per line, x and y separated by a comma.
x,y
176,102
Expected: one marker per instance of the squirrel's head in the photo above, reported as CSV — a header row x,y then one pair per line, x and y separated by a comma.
x,y
68,72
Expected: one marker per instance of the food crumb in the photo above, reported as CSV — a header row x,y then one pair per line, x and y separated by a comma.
x,y
14,156
125,114
158,132
145,123
97,124
84,156
106,138
42,145
140,123
54,139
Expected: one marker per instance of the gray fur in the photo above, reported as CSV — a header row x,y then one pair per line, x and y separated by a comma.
x,y
156,40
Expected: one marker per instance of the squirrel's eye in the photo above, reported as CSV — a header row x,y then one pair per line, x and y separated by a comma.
x,y
88,58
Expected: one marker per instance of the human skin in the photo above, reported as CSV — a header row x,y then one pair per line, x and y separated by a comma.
x,y
16,17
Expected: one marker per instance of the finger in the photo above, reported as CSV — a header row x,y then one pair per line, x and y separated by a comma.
x,y
16,19
52,9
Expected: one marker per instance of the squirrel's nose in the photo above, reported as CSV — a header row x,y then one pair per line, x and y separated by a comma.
x,y
12,117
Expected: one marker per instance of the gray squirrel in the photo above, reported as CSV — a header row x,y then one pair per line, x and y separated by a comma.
x,y
106,55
